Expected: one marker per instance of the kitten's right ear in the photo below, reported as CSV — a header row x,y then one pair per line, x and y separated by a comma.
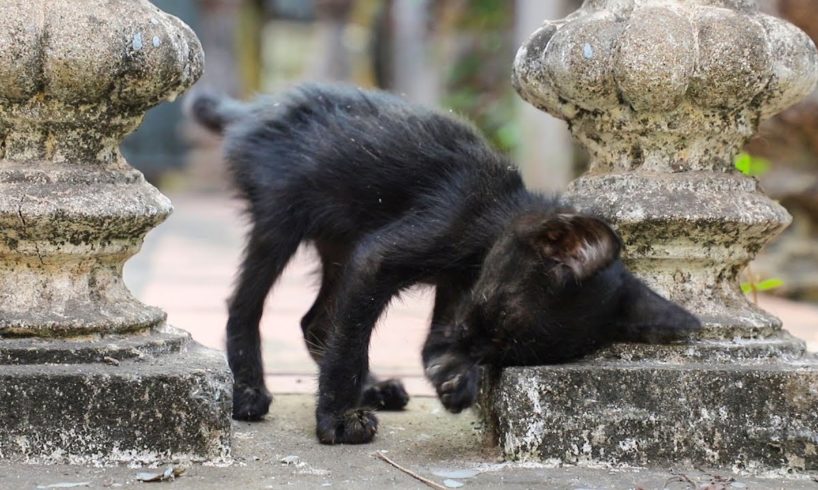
x,y
582,243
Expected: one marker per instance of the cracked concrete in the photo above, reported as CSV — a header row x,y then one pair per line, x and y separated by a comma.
x,y
425,439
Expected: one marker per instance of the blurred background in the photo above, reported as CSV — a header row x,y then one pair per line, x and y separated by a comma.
x,y
455,54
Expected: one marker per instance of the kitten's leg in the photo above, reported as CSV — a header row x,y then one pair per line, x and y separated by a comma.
x,y
455,376
389,394
315,324
448,295
379,268
267,253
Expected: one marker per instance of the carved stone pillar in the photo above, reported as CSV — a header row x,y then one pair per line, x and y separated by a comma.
x,y
663,94
88,372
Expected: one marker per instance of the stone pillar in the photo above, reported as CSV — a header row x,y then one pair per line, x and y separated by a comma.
x,y
88,372
663,94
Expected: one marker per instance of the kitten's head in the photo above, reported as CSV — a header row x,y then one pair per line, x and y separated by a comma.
x,y
553,288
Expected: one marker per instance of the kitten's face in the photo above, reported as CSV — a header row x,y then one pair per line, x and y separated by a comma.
x,y
553,288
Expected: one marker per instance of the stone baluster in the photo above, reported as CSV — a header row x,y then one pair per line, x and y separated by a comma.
x,y
663,94
89,372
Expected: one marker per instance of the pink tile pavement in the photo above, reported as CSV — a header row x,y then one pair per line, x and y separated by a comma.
x,y
187,268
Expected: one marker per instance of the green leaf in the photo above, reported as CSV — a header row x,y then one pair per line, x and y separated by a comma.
x,y
750,165
765,285
768,284
742,162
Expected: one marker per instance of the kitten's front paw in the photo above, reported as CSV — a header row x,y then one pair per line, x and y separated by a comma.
x,y
456,381
352,427
250,403
459,391
385,395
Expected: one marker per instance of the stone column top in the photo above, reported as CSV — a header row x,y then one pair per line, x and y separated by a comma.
x,y
691,70
93,64
75,77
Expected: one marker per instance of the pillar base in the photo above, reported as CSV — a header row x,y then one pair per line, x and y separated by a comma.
x,y
753,414
144,398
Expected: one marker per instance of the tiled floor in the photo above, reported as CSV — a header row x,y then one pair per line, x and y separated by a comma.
x,y
187,267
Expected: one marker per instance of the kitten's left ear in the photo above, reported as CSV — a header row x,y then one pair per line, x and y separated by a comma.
x,y
584,244
645,316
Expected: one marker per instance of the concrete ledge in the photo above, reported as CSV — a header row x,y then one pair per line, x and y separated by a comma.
x,y
158,406
747,415
93,348
780,346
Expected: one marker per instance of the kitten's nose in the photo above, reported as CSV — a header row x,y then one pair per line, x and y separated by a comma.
x,y
688,323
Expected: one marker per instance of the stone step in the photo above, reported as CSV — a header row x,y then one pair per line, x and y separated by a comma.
x,y
747,415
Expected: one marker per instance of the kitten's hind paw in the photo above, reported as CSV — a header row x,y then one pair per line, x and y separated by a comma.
x,y
250,403
385,395
352,427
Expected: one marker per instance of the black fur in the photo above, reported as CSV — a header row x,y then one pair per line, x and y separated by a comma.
x,y
393,195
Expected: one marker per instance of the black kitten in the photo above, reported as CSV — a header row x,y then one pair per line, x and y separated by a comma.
x,y
393,195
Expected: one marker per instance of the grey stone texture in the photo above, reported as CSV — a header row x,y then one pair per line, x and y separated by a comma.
x,y
163,399
663,94
88,371
281,452
743,413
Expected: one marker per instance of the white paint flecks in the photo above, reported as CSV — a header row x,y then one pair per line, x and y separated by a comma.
x,y
588,51
137,41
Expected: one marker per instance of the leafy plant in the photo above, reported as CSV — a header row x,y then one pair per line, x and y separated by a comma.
x,y
756,285
751,165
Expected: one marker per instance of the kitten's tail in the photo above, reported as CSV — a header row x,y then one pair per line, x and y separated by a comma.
x,y
216,112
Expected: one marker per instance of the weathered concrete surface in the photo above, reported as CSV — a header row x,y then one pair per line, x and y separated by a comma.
x,y
663,94
135,404
93,349
743,404
64,234
745,415
89,373
425,439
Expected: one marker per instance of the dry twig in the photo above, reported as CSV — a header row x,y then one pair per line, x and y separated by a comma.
x,y
680,477
380,455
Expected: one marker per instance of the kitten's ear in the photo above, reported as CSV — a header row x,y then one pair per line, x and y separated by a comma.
x,y
584,244
645,316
